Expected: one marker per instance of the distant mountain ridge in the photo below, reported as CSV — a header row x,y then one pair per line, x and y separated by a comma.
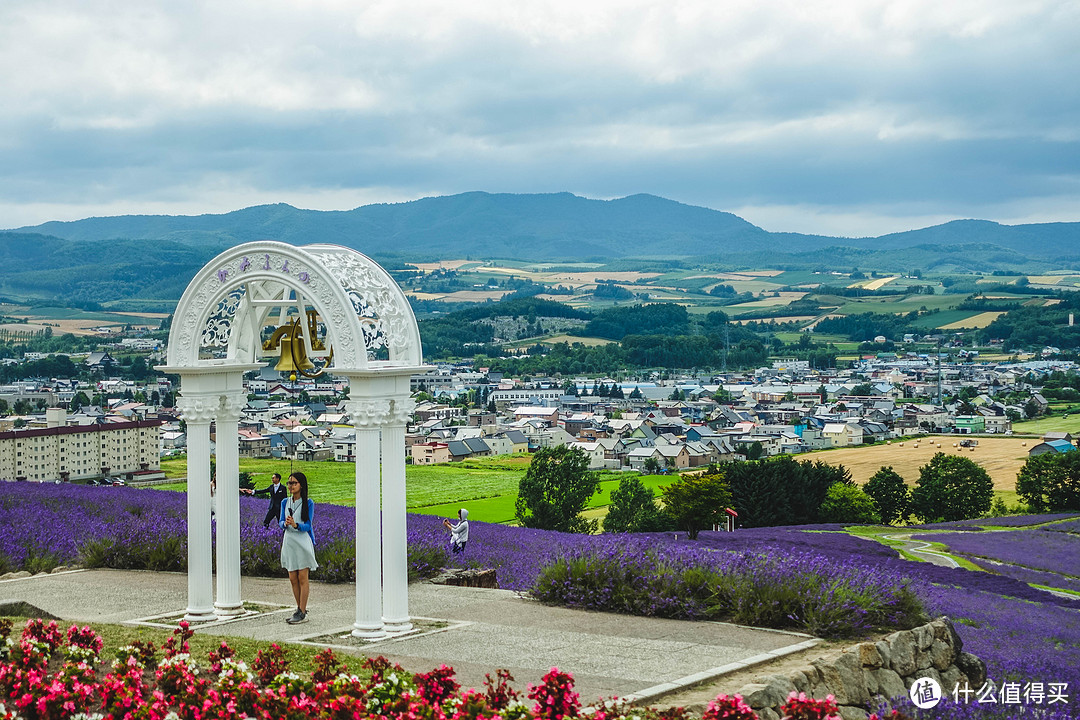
x,y
143,258
533,227
558,226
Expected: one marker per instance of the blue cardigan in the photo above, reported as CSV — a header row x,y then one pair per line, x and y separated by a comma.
x,y
300,525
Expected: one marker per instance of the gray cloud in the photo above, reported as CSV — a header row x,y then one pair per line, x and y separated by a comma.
x,y
856,117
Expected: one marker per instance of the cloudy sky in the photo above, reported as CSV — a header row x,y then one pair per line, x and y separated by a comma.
x,y
846,117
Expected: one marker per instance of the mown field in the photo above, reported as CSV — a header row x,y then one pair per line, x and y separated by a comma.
x,y
1000,457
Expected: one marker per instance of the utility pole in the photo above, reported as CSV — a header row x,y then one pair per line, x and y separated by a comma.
x,y
727,342
939,372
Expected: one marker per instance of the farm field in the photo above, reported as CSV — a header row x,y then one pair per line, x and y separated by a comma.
x,y
73,320
979,320
1000,457
898,304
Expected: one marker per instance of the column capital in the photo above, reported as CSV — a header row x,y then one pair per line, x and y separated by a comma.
x,y
403,408
231,406
198,409
368,414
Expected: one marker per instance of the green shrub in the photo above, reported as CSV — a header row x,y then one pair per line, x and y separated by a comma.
x,y
848,504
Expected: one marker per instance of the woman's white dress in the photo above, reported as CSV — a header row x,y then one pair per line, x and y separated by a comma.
x,y
297,550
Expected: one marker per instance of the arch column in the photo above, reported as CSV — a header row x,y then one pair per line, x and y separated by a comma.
x,y
395,533
229,602
198,411
367,418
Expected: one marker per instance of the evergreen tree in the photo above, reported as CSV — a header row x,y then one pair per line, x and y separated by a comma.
x,y
759,493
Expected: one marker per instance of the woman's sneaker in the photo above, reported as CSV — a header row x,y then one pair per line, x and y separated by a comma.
x,y
297,617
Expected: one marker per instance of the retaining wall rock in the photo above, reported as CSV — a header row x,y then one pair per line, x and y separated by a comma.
x,y
483,578
867,674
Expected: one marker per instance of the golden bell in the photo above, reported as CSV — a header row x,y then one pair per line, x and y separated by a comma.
x,y
293,357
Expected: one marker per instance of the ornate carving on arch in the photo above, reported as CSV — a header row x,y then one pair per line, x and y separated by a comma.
x,y
217,330
198,409
367,414
385,318
365,313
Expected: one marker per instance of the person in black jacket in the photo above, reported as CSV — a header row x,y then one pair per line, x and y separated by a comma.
x,y
277,493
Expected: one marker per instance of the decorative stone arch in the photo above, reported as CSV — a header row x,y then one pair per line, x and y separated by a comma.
x,y
358,323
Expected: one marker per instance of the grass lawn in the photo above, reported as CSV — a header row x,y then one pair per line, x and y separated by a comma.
x,y
335,482
1047,424
486,486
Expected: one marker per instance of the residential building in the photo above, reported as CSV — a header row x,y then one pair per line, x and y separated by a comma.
x,y
78,452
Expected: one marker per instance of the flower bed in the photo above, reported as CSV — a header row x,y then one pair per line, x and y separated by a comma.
x,y
48,675
1073,526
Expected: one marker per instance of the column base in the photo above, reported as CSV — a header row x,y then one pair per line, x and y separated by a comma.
x,y
399,625
228,611
200,615
368,632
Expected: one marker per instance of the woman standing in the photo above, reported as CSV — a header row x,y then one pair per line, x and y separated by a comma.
x,y
298,542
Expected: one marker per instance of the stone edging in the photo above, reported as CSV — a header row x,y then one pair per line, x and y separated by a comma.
x,y
870,673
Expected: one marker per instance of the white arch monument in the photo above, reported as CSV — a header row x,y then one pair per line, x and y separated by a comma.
x,y
356,320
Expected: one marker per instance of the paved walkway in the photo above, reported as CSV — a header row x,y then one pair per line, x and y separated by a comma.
x,y
474,631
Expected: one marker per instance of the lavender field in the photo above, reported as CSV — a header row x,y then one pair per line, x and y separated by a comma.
x,y
1025,635
1055,552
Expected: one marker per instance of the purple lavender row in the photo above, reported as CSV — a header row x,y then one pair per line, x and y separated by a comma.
x,y
1056,552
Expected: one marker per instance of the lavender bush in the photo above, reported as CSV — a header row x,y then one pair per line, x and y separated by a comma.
x,y
125,528
783,589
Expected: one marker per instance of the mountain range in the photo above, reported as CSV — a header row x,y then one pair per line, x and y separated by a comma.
x,y
142,255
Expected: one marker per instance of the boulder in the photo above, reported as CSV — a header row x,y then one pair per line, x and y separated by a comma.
x,y
941,655
479,578
923,636
973,668
902,653
869,655
889,684
844,677
945,631
762,695
883,651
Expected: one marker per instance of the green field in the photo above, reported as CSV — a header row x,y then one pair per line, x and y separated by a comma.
x,y
945,317
1049,424
899,304
486,486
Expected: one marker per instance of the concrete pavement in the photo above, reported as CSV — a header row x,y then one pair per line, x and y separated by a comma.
x,y
473,630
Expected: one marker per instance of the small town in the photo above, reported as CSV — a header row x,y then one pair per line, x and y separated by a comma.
x,y
58,429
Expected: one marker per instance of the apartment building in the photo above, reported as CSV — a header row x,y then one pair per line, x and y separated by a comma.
x,y
65,452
